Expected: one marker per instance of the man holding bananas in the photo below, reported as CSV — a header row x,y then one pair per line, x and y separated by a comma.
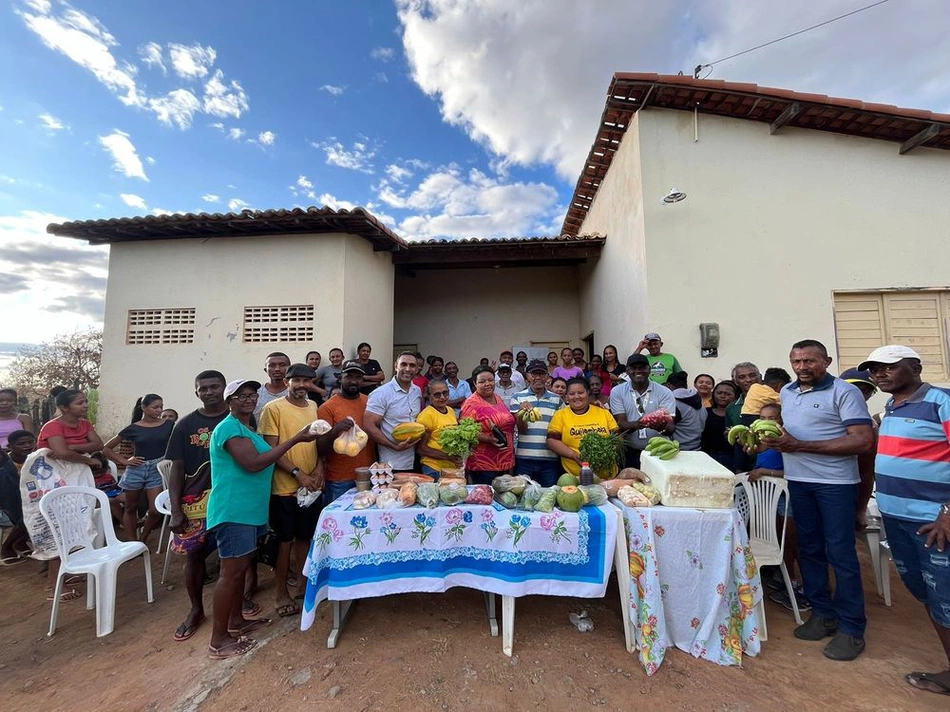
x,y
533,409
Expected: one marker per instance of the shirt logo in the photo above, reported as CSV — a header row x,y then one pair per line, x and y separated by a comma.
x,y
202,438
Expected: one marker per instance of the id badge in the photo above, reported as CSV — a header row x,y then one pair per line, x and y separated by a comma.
x,y
642,433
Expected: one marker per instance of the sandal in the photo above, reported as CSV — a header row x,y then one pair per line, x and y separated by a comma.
x,y
11,560
74,580
249,627
240,646
185,631
929,682
288,609
66,596
250,609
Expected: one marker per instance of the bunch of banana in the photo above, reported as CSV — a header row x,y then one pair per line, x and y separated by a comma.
x,y
530,416
766,429
749,437
662,449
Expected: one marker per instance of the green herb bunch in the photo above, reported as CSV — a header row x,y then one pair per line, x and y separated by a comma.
x,y
460,440
601,452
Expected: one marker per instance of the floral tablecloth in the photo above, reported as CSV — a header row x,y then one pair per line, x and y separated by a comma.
x,y
371,552
694,584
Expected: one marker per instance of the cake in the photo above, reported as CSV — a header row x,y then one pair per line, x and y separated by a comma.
x,y
691,479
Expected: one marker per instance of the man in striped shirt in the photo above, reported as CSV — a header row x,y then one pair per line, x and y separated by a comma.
x,y
912,470
532,456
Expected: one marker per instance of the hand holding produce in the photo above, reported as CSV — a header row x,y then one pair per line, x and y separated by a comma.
x,y
750,437
602,452
529,415
352,442
320,427
460,440
657,420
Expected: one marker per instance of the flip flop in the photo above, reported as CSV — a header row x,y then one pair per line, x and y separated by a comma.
x,y
251,608
288,609
185,631
250,627
74,580
240,646
929,682
66,596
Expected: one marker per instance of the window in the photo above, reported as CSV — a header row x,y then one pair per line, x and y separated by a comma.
x,y
918,319
161,326
278,323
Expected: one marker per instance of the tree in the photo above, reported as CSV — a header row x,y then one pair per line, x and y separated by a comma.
x,y
70,360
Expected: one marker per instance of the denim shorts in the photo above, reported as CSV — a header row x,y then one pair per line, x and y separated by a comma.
x,y
144,476
925,572
237,540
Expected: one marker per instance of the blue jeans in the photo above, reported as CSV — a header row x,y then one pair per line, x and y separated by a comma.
x,y
544,471
824,517
145,476
431,472
482,477
335,490
925,572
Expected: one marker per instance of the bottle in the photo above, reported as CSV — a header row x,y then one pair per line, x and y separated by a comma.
x,y
587,474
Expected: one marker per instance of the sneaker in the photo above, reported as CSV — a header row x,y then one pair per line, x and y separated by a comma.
x,y
844,647
816,628
776,582
781,598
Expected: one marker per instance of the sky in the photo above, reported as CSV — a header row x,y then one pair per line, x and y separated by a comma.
x,y
445,118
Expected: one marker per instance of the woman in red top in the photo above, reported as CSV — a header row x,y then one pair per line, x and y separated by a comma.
x,y
492,456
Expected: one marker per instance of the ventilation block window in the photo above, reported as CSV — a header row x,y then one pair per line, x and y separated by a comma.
x,y
161,326
274,324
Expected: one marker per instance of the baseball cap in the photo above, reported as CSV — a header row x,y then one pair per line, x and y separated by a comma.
x,y
300,370
638,360
506,367
651,336
352,366
853,375
892,353
232,387
536,364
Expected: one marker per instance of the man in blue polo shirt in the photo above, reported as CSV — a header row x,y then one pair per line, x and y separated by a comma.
x,y
532,456
827,425
913,489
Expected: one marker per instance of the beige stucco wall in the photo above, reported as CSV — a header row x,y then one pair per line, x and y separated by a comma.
x,y
219,277
465,314
367,302
773,224
613,289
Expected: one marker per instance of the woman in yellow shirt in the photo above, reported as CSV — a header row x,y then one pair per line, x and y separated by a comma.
x,y
569,425
436,417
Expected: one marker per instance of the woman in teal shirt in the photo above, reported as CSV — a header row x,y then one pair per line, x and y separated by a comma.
x,y
242,466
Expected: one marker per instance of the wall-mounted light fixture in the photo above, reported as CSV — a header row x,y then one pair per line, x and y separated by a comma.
x,y
674,196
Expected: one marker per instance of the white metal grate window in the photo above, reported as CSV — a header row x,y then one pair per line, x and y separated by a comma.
x,y
278,323
161,326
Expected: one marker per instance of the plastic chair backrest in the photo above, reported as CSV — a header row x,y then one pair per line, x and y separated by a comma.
x,y
740,500
163,503
165,470
114,469
764,495
69,511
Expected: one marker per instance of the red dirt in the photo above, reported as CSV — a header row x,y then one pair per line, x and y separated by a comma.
x,y
431,652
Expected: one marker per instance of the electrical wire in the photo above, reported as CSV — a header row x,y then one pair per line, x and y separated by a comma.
x,y
700,67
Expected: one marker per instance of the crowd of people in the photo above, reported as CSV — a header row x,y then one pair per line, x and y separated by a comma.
x,y
245,465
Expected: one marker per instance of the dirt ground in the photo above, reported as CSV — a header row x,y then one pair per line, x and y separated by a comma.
x,y
430,652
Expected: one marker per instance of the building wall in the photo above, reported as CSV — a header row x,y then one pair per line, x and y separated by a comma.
x,y
613,289
219,277
772,225
367,301
465,314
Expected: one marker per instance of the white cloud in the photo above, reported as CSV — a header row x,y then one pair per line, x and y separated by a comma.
x,y
191,62
236,204
133,201
267,138
397,173
224,99
305,182
335,203
178,107
151,54
357,158
51,123
235,134
384,54
333,89
382,78
151,161
125,158
211,198
161,211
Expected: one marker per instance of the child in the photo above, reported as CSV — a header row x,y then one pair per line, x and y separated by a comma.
x,y
766,393
769,463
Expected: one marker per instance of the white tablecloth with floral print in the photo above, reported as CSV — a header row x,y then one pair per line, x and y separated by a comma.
x,y
694,584
365,553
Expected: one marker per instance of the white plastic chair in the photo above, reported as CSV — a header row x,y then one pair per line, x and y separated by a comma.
x,y
873,537
740,500
68,510
768,544
164,469
163,506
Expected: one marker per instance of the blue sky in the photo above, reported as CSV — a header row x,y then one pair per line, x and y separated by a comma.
x,y
446,118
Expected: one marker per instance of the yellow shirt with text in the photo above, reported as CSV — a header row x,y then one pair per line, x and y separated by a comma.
x,y
573,427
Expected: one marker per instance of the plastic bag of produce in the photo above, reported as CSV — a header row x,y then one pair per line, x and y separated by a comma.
x,y
388,499
364,500
407,495
547,500
648,491
508,500
320,427
531,495
632,498
428,494
594,495
508,483
352,442
453,494
480,494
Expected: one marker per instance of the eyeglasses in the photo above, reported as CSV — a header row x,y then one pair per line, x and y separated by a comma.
x,y
440,394
244,398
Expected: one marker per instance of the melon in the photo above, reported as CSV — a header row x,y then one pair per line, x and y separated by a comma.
x,y
567,480
570,499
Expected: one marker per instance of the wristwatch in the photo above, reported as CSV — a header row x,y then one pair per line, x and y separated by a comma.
x,y
295,472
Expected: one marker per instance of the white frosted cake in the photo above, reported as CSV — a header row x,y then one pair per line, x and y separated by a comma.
x,y
691,479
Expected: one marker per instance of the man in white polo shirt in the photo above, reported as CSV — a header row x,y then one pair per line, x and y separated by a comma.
x,y
391,404
827,425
